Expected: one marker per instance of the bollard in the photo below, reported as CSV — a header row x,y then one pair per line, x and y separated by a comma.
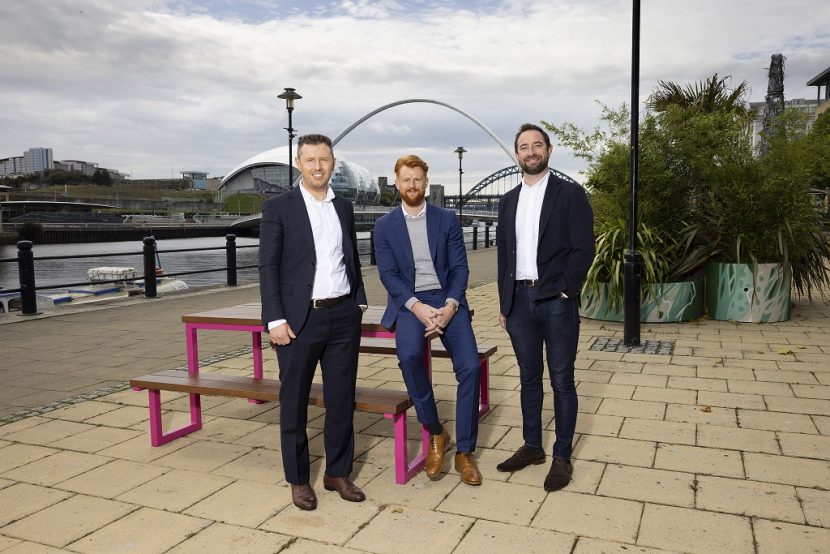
x,y
26,273
150,267
487,236
475,238
230,254
372,248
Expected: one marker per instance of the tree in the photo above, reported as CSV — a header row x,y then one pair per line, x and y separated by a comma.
x,y
102,177
708,96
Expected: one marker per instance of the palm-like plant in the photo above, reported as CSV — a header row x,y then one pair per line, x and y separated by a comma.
x,y
708,96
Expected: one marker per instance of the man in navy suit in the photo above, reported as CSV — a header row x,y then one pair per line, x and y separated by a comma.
x,y
545,246
312,303
422,262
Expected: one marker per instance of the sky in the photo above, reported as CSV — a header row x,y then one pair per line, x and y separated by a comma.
x,y
155,87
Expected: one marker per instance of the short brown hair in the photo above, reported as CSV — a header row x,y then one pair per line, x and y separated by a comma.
x,y
314,139
530,127
411,161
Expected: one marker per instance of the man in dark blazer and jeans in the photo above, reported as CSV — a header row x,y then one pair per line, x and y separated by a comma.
x,y
545,246
312,303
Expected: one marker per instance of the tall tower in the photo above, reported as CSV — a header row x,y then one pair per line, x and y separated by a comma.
x,y
775,94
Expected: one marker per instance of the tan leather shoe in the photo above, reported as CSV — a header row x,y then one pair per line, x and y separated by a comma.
x,y
304,497
466,466
435,455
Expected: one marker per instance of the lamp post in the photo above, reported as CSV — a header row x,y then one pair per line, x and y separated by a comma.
x,y
289,96
633,260
460,151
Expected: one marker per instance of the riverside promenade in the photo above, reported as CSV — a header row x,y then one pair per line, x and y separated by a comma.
x,y
723,445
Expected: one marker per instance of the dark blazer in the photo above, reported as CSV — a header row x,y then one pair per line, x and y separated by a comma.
x,y
287,259
566,242
396,265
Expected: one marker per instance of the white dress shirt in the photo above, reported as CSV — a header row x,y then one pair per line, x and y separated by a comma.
x,y
330,279
528,214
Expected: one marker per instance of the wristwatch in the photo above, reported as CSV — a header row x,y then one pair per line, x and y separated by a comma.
x,y
452,305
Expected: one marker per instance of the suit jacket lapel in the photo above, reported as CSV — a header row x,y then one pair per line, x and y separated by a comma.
x,y
401,236
433,227
551,194
303,220
340,208
510,220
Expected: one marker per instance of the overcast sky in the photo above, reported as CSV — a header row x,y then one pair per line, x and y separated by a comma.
x,y
153,88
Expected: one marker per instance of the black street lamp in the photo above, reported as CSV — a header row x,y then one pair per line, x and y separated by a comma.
x,y
460,151
289,96
632,267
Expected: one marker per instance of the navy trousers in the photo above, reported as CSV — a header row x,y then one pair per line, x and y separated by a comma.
x,y
331,336
554,324
460,342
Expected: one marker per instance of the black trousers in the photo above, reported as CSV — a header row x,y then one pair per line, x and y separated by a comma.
x,y
331,336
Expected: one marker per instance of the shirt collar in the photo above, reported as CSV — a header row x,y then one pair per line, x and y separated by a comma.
x,y
540,184
309,198
419,214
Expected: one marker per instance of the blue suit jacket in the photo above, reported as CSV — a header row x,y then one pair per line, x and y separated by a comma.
x,y
396,265
566,242
287,258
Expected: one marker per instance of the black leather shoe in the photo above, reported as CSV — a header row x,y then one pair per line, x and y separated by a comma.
x,y
304,497
523,457
344,486
559,475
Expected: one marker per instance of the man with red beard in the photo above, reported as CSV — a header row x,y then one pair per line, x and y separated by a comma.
x,y
423,265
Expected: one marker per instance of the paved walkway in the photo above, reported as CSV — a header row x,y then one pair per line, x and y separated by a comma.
x,y
722,446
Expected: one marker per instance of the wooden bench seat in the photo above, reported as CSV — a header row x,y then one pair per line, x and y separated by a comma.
x,y
392,404
386,346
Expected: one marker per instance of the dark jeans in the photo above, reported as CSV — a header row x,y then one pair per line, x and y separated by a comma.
x,y
553,323
330,336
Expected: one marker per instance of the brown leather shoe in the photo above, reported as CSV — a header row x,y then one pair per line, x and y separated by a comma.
x,y
343,485
304,497
465,465
435,455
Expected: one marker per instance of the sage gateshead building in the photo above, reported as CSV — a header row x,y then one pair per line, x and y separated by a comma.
x,y
267,173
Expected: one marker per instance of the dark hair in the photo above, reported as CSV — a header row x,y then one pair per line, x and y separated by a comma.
x,y
411,161
530,127
313,139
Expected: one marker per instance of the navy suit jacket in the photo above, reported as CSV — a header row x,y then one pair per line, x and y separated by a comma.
x,y
566,242
287,258
396,265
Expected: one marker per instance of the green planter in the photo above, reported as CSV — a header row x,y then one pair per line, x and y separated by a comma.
x,y
665,303
735,293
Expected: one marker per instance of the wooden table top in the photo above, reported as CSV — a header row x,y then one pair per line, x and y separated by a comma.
x,y
250,315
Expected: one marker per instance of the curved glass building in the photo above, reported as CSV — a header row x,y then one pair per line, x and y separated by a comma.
x,y
263,174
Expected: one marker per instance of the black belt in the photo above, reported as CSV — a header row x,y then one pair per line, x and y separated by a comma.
x,y
527,282
329,302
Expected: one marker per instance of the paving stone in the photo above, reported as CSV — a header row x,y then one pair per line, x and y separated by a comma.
x,y
203,456
605,390
694,459
56,468
811,391
706,415
22,499
687,530
787,470
751,498
638,379
112,479
402,529
658,394
302,546
95,439
495,501
798,405
658,431
805,446
586,475
668,369
822,424
776,421
778,376
599,424
816,505
16,455
67,520
760,388
124,416
176,490
47,432
230,538
738,439
632,408
130,533
775,536
614,450
648,485
587,545
590,515
732,370
696,383
491,536
731,400
245,503
335,521
82,411
140,450
261,465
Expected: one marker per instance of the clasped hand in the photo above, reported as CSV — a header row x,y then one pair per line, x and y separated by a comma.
x,y
435,320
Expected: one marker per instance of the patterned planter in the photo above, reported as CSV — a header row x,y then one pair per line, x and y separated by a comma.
x,y
734,292
665,303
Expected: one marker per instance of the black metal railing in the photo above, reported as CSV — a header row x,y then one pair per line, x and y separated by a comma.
x,y
26,269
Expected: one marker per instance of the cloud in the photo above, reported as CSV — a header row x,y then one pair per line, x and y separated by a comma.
x,y
146,86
